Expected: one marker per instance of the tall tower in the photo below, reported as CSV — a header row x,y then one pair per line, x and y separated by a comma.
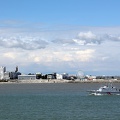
x,y
16,70
2,71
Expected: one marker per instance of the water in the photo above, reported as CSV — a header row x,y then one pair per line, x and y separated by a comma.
x,y
56,102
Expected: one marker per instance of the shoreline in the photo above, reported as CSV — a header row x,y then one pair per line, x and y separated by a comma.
x,y
59,81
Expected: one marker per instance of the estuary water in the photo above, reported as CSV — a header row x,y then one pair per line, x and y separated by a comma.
x,y
56,101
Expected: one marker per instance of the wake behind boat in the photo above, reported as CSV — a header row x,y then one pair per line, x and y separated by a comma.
x,y
105,90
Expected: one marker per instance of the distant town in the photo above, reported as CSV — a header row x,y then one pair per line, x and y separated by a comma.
x,y
6,76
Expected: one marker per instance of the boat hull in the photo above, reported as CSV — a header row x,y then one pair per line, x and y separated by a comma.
x,y
93,92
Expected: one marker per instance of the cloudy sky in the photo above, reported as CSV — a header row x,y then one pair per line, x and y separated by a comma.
x,y
60,36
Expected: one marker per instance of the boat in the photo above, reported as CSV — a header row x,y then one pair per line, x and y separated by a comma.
x,y
105,90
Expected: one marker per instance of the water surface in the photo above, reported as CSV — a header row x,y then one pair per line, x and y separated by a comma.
x,y
66,101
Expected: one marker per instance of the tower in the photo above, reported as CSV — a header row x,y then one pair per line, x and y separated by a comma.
x,y
16,70
2,71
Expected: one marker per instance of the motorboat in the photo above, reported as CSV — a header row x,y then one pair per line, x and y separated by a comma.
x,y
105,90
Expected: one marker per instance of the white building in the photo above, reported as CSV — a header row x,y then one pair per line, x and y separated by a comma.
x,y
3,74
90,77
26,77
59,76
6,76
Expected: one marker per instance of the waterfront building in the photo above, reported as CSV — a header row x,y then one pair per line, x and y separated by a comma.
x,y
6,75
3,74
14,75
51,76
59,76
26,77
65,75
90,77
38,75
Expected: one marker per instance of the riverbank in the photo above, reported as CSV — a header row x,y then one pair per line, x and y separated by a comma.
x,y
60,81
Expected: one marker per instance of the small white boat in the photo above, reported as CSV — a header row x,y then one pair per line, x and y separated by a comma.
x,y
105,90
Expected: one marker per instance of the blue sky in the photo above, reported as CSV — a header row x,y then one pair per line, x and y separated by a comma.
x,y
60,36
75,12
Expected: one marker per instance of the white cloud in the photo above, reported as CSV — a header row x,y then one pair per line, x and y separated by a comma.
x,y
87,36
85,55
25,42
9,55
50,50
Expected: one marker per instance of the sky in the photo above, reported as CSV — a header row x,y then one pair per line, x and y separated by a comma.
x,y
63,36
